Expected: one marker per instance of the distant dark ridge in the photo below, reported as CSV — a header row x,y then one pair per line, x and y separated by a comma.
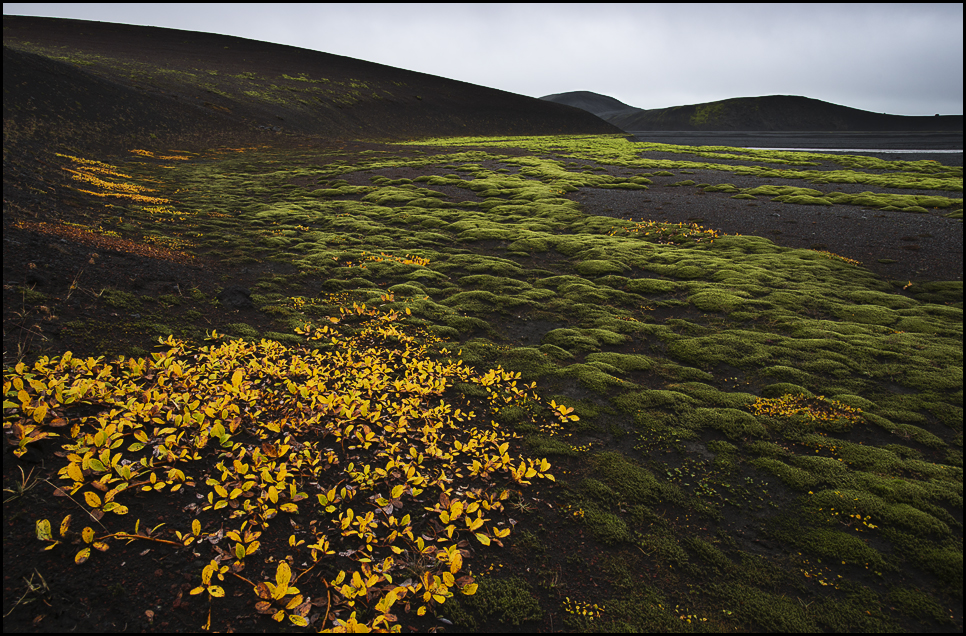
x,y
108,83
777,113
601,105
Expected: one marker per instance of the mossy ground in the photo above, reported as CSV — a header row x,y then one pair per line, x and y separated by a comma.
x,y
681,502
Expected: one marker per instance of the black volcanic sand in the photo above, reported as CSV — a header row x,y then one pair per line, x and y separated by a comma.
x,y
920,246
819,141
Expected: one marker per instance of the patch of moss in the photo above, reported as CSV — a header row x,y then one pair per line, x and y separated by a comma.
x,y
763,610
733,423
635,483
842,546
598,268
125,301
784,388
606,527
242,330
662,543
657,398
918,605
543,446
508,600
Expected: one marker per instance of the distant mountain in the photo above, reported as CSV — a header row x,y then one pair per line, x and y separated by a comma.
x,y
80,82
600,105
768,113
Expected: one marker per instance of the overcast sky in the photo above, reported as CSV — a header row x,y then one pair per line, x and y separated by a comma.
x,y
904,59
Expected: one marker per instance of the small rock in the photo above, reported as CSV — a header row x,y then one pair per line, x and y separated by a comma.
x,y
236,298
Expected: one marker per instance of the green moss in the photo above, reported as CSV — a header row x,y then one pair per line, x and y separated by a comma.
x,y
121,300
793,477
918,605
622,361
594,377
573,340
242,330
764,611
606,527
733,423
716,300
787,374
842,546
867,314
663,544
634,483
784,388
709,553
722,187
859,501
598,490
542,446
508,600
598,268
766,449
656,398
556,352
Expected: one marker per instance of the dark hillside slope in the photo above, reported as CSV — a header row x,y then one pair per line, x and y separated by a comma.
x,y
603,106
778,112
106,82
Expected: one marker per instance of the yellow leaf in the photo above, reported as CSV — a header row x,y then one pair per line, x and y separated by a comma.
x,y
236,378
456,563
283,575
485,540
43,529
82,556
92,499
216,591
386,602
470,589
196,527
74,472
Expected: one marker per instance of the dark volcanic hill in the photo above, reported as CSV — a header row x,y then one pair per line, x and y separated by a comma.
x,y
603,106
768,113
778,112
95,83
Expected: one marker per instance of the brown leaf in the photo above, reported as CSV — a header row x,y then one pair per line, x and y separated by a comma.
x,y
262,590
